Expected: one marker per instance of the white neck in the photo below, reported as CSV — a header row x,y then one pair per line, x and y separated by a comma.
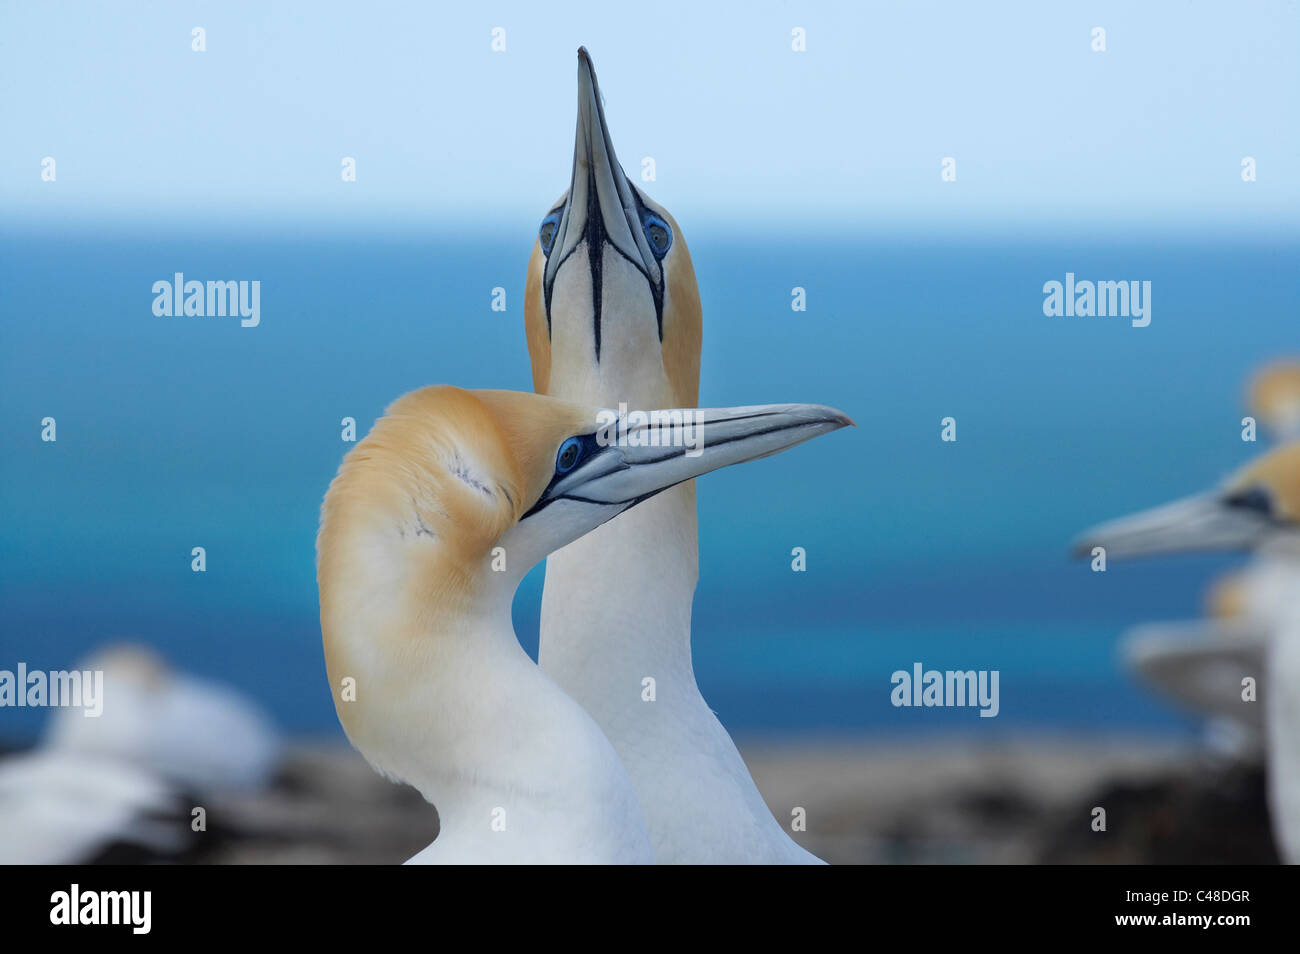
x,y
1273,593
518,771
616,610
1282,723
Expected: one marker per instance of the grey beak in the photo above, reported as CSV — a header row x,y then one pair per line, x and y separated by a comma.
x,y
1203,522
630,463
600,207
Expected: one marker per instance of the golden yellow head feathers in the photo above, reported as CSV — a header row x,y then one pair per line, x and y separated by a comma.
x,y
683,326
409,522
612,310
1275,475
453,465
537,327
437,514
445,471
1226,598
566,323
1274,398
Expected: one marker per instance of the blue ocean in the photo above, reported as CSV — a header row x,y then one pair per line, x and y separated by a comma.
x,y
174,433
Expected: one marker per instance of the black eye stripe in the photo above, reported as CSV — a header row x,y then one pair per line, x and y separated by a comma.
x,y
1254,498
588,446
656,288
596,241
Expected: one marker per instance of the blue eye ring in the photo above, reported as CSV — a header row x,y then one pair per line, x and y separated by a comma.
x,y
569,455
658,233
547,231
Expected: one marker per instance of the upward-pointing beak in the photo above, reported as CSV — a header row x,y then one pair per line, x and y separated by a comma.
x,y
601,206
634,461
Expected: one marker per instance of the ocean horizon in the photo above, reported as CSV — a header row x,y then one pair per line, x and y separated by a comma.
x,y
176,432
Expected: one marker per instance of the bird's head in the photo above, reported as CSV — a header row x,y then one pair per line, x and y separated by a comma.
x,y
1257,505
612,308
1274,398
454,495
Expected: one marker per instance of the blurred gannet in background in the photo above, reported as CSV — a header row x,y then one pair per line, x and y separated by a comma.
x,y
117,779
61,808
428,528
1191,662
612,315
1199,665
1273,397
196,733
1258,509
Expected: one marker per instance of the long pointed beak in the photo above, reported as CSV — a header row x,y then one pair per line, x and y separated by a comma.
x,y
638,458
1203,522
601,206
1200,664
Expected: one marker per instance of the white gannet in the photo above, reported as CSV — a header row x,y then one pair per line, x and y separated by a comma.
x,y
428,528
61,808
612,315
1199,664
1257,509
117,778
196,733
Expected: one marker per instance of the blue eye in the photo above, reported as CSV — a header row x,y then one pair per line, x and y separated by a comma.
x,y
657,233
568,456
546,234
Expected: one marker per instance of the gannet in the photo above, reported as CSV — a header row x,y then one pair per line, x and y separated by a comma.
x,y
428,528
1257,509
1191,661
1273,397
1199,664
60,808
118,778
613,317
196,733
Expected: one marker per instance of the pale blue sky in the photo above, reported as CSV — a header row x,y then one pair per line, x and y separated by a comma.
x,y
745,132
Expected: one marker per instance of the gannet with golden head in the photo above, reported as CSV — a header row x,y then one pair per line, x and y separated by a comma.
x,y
1258,504
1257,509
1273,397
1199,663
428,528
613,317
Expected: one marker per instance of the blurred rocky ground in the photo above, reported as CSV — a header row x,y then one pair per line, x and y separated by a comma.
x,y
1023,802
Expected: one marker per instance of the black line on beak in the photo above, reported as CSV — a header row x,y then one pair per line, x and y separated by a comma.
x,y
595,250
656,289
